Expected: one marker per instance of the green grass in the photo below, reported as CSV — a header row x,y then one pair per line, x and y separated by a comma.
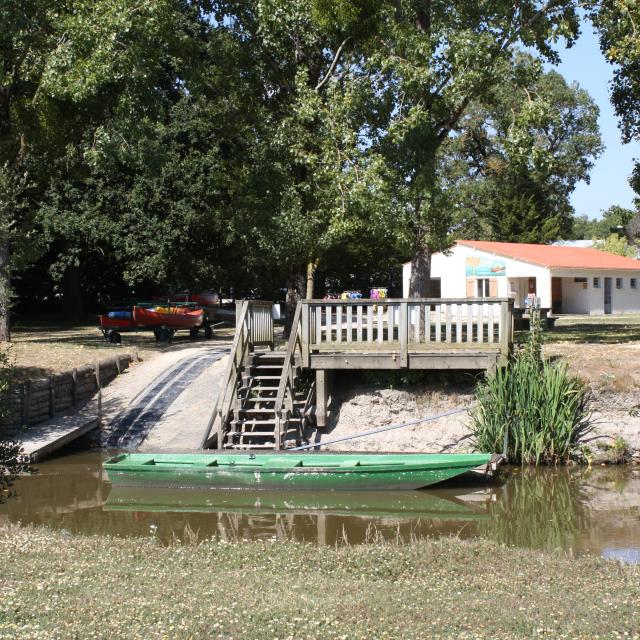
x,y
595,329
54,585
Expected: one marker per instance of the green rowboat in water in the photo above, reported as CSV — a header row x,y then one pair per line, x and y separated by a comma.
x,y
328,471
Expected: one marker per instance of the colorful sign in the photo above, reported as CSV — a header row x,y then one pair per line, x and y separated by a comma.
x,y
484,268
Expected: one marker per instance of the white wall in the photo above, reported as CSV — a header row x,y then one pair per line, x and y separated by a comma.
x,y
625,300
575,299
406,277
451,271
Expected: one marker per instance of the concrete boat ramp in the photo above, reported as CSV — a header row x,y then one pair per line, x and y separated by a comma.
x,y
163,403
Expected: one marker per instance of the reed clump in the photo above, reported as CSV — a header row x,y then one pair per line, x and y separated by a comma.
x,y
533,408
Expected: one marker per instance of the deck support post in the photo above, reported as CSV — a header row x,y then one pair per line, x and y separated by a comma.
x,y
322,397
305,335
403,334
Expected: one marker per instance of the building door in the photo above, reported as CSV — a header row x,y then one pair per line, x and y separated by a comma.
x,y
556,295
607,295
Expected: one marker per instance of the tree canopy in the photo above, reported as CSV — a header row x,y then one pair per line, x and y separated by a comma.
x,y
169,144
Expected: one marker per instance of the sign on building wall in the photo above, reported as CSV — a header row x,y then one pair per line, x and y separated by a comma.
x,y
484,267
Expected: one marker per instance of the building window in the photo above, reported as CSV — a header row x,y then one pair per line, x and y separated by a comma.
x,y
633,283
580,280
483,289
618,283
596,283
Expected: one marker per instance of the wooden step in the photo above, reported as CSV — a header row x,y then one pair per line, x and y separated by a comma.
x,y
255,434
249,446
261,399
245,390
256,411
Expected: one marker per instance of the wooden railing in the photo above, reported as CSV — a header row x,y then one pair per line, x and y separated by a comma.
x,y
254,326
259,321
406,325
284,398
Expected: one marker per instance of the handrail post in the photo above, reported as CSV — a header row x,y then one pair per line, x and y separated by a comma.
x,y
403,333
304,333
220,430
278,432
506,327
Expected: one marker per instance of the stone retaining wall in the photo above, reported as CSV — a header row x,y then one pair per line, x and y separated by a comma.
x,y
35,401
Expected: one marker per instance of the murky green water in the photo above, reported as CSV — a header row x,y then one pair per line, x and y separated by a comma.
x,y
578,510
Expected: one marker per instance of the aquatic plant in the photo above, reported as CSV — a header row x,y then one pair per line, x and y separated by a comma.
x,y
539,509
533,409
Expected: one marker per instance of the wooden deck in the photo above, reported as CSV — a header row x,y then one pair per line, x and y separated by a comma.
x,y
472,333
260,401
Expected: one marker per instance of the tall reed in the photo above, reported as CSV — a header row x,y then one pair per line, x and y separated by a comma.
x,y
539,404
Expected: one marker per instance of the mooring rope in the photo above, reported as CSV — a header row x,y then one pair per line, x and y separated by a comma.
x,y
362,434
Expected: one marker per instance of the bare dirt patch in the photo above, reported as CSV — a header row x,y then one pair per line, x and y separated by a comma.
x,y
43,348
364,406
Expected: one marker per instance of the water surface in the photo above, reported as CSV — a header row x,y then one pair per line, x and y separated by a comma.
x,y
580,511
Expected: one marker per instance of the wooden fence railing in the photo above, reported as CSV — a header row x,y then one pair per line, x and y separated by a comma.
x,y
404,325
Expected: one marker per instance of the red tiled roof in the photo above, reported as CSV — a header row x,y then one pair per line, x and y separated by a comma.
x,y
554,256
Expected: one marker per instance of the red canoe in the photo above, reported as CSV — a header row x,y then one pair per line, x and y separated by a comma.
x,y
169,317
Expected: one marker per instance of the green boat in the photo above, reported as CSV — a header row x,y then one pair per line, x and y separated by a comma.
x,y
281,470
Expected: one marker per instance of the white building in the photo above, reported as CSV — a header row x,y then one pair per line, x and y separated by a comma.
x,y
566,279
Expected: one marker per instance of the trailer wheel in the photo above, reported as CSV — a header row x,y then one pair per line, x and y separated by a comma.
x,y
114,337
208,332
194,331
163,335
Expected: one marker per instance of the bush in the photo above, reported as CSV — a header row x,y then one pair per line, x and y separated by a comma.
x,y
538,404
12,461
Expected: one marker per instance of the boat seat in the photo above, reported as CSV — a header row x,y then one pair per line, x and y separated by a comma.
x,y
206,463
287,464
350,463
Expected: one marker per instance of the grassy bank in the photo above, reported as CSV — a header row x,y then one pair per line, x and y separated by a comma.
x,y
57,586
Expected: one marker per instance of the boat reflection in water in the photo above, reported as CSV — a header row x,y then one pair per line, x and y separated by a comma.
x,y
322,517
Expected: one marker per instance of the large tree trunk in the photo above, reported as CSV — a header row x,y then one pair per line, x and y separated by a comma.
x,y
295,286
5,289
312,265
71,293
420,284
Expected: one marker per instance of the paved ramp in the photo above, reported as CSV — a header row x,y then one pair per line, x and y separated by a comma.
x,y
149,411
162,403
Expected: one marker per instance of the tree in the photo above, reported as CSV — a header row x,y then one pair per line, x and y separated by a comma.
x,y
615,220
618,245
324,178
434,61
61,66
516,159
617,23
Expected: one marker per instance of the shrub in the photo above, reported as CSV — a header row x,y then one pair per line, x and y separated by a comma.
x,y
536,404
12,461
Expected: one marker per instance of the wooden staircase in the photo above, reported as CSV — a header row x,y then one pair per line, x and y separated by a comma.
x,y
255,421
261,403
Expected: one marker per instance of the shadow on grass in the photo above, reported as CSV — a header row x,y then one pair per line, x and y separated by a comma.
x,y
595,333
